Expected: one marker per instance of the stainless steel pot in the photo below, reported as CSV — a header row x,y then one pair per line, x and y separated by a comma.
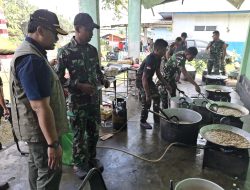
x,y
197,183
180,102
186,130
199,105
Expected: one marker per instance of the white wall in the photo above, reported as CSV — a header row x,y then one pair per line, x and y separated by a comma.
x,y
163,33
237,24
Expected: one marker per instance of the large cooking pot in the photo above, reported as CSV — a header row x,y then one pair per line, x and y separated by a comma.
x,y
221,127
215,79
224,118
218,92
240,111
197,183
199,105
180,102
184,131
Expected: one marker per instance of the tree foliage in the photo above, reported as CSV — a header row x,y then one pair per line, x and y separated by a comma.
x,y
17,13
65,23
119,6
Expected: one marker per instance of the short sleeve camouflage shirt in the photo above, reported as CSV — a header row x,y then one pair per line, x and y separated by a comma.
x,y
82,63
216,48
173,66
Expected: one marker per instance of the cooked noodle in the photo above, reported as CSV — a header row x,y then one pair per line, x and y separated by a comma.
x,y
227,111
227,138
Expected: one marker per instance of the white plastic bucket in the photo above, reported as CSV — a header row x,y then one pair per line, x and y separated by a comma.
x,y
197,184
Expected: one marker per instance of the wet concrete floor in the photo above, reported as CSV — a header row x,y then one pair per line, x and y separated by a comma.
x,y
124,172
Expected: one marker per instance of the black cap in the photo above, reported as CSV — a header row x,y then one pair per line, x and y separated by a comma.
x,y
47,19
193,51
84,19
184,35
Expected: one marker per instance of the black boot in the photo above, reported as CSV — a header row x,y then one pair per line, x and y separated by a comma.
x,y
4,186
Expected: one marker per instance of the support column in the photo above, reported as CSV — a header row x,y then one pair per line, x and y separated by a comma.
x,y
243,84
134,28
246,58
92,8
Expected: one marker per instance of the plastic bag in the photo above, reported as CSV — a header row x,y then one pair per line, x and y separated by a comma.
x,y
66,143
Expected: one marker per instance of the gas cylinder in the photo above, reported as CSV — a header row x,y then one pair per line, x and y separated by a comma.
x,y
119,113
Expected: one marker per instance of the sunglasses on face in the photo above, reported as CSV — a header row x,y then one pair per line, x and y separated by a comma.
x,y
87,29
51,30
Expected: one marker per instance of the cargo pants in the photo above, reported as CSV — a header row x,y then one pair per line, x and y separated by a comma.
x,y
214,63
40,176
85,126
165,95
154,93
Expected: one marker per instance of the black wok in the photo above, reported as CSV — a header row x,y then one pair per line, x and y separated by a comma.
x,y
218,92
215,79
232,129
213,106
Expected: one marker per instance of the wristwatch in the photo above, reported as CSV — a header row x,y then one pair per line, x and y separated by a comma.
x,y
54,145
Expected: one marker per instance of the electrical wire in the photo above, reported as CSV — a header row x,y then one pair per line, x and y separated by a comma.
x,y
140,157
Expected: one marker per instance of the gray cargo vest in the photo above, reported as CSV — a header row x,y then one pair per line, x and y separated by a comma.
x,y
25,121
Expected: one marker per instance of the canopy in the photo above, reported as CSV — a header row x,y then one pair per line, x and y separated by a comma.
x,y
151,3
236,3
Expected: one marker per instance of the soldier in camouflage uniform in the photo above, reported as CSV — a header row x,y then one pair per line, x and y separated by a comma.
x,y
184,42
81,60
217,53
144,82
173,67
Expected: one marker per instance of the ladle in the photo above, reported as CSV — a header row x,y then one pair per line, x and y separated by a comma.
x,y
213,106
172,118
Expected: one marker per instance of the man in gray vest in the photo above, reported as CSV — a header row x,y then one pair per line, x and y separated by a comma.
x,y
38,104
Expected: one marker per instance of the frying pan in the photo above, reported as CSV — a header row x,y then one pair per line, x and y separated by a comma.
x,y
235,130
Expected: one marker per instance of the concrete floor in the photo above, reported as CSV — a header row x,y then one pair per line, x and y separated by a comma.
x,y
125,172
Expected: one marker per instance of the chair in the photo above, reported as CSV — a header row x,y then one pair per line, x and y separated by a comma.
x,y
93,181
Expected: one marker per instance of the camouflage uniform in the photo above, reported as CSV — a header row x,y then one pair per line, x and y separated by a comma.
x,y
215,58
183,47
223,66
171,68
83,65
149,65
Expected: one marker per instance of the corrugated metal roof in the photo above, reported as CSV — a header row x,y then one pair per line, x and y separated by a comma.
x,y
201,6
165,15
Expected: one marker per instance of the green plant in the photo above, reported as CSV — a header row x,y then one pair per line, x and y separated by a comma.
x,y
7,46
198,64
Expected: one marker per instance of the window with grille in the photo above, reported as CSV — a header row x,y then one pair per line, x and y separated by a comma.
x,y
211,28
199,28
205,28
